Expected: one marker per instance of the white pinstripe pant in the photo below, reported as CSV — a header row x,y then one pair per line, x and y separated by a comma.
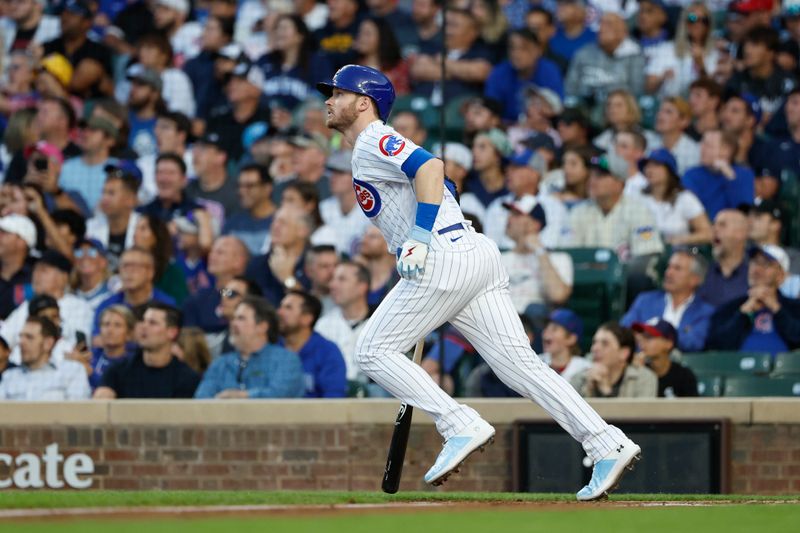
x,y
465,284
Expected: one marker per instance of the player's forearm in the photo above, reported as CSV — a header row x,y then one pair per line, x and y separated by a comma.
x,y
429,183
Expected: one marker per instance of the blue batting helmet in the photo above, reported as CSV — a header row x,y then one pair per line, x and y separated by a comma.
x,y
365,81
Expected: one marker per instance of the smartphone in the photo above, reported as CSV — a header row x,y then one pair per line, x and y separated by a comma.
x,y
80,340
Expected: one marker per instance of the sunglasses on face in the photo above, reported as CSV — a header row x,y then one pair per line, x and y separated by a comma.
x,y
91,252
229,293
694,18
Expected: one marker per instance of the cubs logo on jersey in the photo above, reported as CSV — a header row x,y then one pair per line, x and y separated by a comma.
x,y
367,197
391,145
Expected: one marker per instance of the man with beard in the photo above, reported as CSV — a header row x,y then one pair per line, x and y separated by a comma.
x,y
258,368
144,101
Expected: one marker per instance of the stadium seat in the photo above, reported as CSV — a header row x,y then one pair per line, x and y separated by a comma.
x,y
598,291
787,364
356,389
728,363
761,386
710,386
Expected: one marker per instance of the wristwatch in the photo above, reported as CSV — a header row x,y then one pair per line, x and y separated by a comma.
x,y
290,282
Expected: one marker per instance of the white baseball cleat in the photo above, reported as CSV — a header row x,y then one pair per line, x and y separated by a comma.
x,y
609,470
476,436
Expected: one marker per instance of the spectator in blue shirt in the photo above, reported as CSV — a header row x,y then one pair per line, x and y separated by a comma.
x,y
525,67
251,224
727,277
763,320
258,368
114,342
86,174
136,271
573,32
718,182
677,303
323,365
171,198
281,268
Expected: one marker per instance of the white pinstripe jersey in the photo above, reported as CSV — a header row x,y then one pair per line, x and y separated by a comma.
x,y
384,165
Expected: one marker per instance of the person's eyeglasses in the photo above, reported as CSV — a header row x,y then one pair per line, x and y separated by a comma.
x,y
694,18
229,293
91,253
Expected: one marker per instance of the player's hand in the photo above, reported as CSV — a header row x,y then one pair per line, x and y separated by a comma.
x,y
411,263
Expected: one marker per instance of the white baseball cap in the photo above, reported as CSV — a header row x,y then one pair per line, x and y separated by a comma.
x,y
181,6
21,226
456,152
774,253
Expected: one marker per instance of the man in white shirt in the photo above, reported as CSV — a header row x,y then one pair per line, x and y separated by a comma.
x,y
340,214
38,378
609,219
536,276
51,277
525,171
344,322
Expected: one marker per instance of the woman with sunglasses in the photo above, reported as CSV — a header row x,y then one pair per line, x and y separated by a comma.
x,y
90,275
694,56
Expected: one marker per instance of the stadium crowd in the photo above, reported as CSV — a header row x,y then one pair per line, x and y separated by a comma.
x,y
177,221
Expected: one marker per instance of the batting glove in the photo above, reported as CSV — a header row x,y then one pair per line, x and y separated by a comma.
x,y
411,263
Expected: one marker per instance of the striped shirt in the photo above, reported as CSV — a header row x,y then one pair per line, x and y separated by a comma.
x,y
384,166
66,380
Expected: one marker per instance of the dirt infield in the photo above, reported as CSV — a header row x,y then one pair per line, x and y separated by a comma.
x,y
200,511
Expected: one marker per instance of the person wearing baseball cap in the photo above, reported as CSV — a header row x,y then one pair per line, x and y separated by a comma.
x,y
18,237
763,320
656,339
86,174
537,277
91,268
43,169
680,217
561,339
740,116
243,90
51,278
610,219
212,182
144,102
525,170
766,221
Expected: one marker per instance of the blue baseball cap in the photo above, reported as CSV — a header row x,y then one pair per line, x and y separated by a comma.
x,y
529,158
93,243
656,327
124,167
79,7
568,320
661,156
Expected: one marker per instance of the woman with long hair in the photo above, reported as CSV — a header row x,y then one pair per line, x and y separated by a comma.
x,y
680,217
575,164
114,343
293,67
490,152
152,233
192,349
622,113
692,57
493,25
377,47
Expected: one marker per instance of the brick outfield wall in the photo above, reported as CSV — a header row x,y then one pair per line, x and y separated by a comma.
x,y
765,458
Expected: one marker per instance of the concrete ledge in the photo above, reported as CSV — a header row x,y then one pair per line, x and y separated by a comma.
x,y
775,411
371,411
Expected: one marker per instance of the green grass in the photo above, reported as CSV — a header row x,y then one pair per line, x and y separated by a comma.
x,y
717,519
64,499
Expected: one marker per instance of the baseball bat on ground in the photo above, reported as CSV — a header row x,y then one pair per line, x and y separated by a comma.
x,y
397,448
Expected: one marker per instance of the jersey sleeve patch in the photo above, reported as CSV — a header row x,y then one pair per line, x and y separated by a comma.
x,y
418,157
391,145
367,197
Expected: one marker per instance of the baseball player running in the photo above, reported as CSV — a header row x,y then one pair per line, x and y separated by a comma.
x,y
452,274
